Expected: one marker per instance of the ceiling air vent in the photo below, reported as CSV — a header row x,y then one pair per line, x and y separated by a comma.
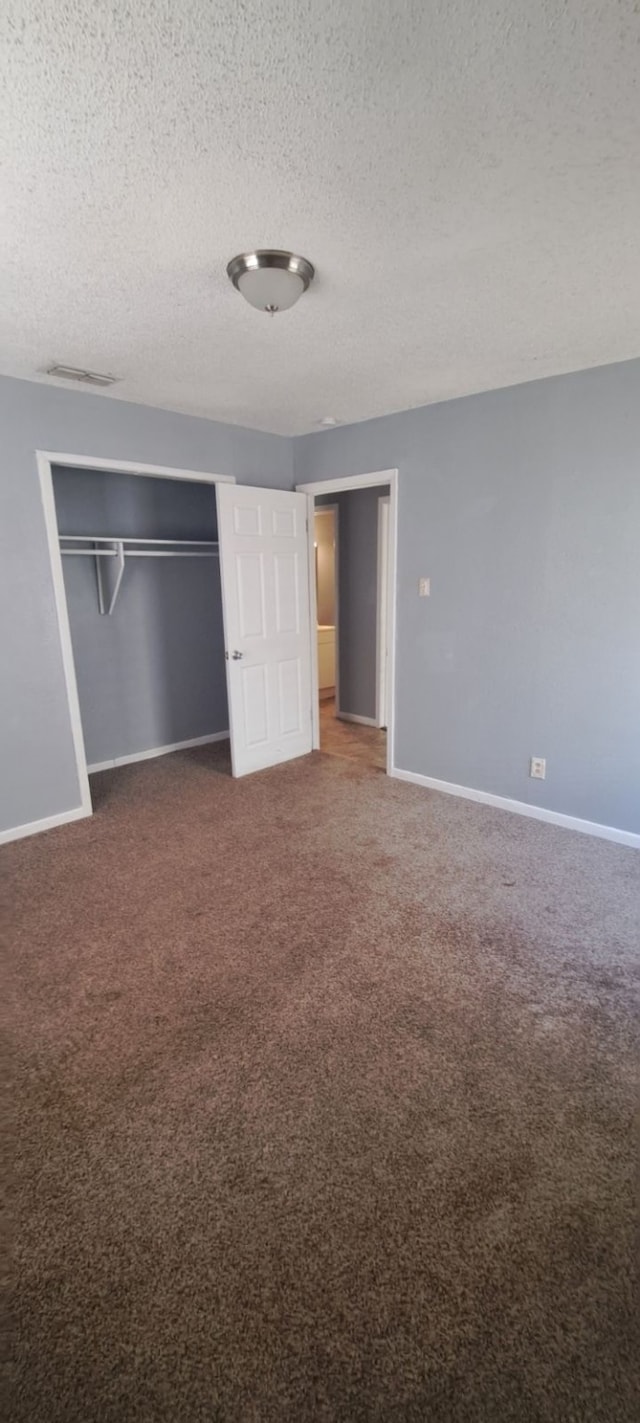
x,y
85,377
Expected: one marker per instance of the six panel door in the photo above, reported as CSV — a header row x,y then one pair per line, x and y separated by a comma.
x,y
265,600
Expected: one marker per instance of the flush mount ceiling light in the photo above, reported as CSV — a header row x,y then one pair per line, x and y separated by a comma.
x,y
270,280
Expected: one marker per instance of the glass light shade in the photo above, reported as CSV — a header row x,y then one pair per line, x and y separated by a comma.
x,y
270,279
271,288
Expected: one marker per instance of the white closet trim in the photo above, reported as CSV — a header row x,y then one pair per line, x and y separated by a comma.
x,y
45,459
155,471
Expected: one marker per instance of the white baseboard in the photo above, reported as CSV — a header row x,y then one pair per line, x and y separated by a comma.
x,y
361,720
157,751
35,827
520,807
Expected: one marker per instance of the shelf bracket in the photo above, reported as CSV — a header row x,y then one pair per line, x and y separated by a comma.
x,y
108,589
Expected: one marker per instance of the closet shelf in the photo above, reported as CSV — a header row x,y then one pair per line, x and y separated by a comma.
x,y
100,546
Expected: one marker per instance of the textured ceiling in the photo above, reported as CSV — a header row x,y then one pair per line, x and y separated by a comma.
x,y
464,175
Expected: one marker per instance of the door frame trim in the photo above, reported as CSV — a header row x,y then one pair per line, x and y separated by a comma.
x,y
45,460
338,486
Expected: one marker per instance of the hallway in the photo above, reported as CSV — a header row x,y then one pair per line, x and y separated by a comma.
x,y
367,744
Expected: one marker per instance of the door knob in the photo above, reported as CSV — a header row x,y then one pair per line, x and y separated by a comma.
x,y
237,655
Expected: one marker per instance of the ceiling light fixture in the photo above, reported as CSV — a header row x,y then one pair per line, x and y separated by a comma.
x,y
270,280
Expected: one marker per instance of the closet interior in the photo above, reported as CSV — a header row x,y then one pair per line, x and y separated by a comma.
x,y
142,581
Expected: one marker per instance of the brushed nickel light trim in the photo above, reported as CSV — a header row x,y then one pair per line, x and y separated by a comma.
x,y
269,259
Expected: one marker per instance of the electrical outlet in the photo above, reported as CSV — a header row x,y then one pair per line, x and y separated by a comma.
x,y
424,587
538,768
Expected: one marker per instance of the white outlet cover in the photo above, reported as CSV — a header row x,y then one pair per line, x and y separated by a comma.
x,y
424,587
538,768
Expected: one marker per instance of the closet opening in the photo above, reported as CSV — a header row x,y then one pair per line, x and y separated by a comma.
x,y
139,600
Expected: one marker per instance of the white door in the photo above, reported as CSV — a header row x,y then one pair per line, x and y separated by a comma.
x,y
265,591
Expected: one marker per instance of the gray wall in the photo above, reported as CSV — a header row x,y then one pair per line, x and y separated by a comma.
x,y
153,673
523,507
357,598
37,764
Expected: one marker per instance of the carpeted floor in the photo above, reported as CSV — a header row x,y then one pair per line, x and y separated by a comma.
x,y
325,1097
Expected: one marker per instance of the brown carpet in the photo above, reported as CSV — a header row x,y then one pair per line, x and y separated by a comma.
x,y
325,1093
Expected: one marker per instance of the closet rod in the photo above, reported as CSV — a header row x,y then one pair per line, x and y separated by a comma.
x,y
123,548
115,538
135,553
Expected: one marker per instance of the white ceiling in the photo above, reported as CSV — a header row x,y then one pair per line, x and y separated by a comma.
x,y
464,175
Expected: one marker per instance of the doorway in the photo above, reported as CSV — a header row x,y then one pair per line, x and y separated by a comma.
x,y
352,526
